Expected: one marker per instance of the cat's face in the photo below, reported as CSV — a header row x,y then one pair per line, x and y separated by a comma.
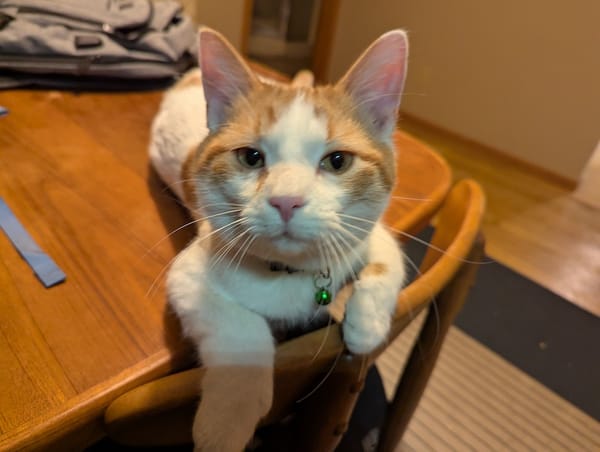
x,y
293,173
299,168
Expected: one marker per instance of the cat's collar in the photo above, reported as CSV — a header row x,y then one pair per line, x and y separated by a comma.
x,y
321,279
275,266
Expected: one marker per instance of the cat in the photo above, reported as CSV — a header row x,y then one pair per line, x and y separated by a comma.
x,y
287,184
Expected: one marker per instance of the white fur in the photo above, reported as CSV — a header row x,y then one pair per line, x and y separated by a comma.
x,y
179,125
299,135
368,312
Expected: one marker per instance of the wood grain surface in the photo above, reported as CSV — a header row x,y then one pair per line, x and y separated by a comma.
x,y
74,170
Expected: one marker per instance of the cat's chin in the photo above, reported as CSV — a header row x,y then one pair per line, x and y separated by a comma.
x,y
285,248
289,245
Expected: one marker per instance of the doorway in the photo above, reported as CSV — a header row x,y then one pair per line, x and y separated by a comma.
x,y
290,35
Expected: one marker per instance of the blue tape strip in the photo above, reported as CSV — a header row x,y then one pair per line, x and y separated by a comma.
x,y
42,264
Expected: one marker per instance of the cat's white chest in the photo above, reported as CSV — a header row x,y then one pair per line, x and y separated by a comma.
x,y
196,285
276,295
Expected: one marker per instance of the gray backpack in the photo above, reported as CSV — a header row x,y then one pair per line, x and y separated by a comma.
x,y
94,44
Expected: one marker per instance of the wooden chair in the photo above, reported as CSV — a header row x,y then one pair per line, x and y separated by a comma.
x,y
161,412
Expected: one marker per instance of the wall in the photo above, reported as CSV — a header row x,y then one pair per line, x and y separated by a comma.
x,y
520,76
226,16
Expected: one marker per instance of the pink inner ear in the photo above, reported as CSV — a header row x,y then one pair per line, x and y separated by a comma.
x,y
219,64
224,76
376,80
390,87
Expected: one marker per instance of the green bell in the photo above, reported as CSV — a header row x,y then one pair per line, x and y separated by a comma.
x,y
323,297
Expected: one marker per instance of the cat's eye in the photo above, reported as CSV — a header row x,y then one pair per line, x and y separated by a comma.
x,y
250,157
337,162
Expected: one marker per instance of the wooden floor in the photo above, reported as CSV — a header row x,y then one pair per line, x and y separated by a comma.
x,y
532,223
477,401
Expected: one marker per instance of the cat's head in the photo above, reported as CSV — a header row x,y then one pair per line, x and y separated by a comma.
x,y
296,173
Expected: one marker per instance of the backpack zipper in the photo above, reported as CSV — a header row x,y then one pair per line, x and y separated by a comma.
x,y
130,34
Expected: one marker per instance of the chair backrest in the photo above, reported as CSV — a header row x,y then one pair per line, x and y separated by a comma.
x,y
456,227
167,404
447,272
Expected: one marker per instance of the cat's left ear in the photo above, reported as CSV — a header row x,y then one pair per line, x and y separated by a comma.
x,y
225,76
376,80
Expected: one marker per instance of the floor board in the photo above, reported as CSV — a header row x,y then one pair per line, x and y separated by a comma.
x,y
532,224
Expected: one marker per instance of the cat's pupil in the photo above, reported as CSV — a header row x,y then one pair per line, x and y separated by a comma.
x,y
250,158
337,160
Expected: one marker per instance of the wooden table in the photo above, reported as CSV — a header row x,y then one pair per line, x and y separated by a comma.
x,y
74,170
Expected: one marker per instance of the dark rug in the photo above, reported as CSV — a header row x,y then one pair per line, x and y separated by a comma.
x,y
541,333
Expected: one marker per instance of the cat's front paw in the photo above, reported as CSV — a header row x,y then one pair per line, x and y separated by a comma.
x,y
366,325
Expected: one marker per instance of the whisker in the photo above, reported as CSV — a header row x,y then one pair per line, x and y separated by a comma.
x,y
410,236
334,261
415,268
417,271
248,235
433,304
365,220
437,248
409,198
358,241
323,341
149,250
198,220
220,254
321,257
198,240
336,254
343,243
366,100
329,372
228,204
246,249
173,184
323,264
149,292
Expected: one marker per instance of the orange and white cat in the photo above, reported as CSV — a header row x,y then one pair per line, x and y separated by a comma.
x,y
287,183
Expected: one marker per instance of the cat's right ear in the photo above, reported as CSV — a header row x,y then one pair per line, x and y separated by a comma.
x,y
225,76
376,80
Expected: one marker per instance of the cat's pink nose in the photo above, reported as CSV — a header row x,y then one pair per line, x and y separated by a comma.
x,y
286,205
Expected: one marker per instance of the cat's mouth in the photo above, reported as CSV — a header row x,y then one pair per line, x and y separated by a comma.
x,y
288,237
289,243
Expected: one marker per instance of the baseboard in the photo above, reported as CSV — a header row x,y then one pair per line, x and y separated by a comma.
x,y
544,173
588,190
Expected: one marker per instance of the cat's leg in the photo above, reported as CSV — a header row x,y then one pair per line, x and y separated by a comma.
x,y
236,348
372,304
237,390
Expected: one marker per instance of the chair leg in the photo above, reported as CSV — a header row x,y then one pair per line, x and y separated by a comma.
x,y
323,418
425,352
